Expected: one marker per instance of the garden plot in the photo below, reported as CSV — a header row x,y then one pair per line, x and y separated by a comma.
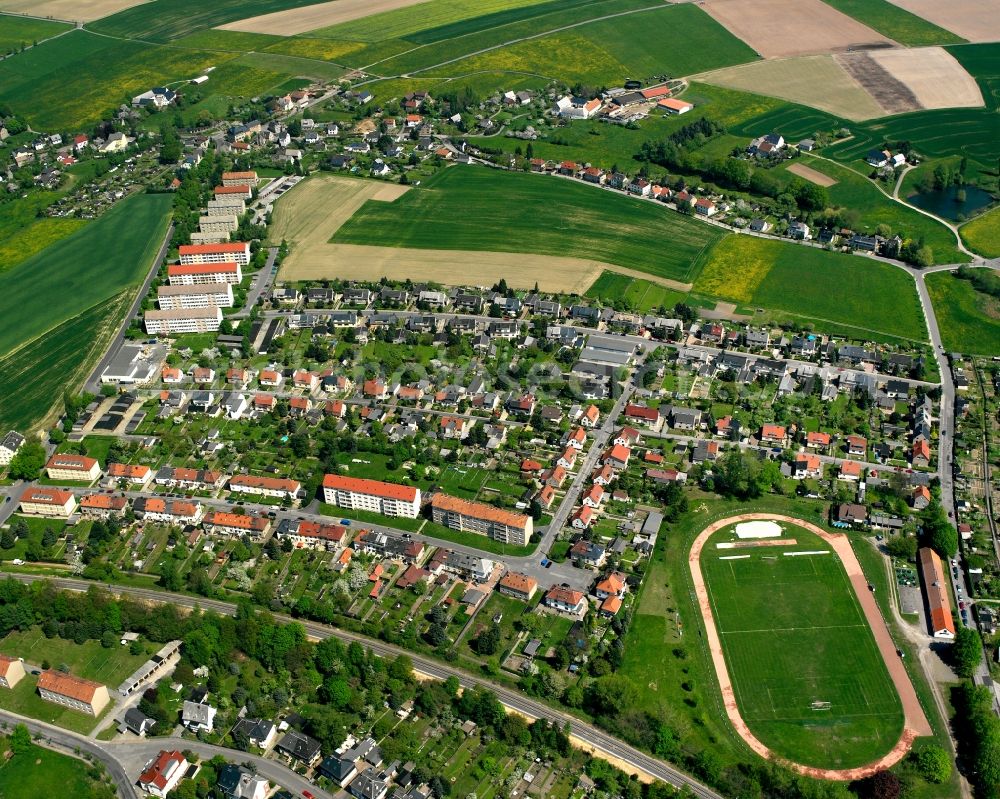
x,y
777,28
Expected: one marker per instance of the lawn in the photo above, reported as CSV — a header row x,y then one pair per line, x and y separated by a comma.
x,y
97,262
982,234
793,634
969,320
24,700
42,772
459,209
88,660
814,286
640,295
895,22
18,32
611,50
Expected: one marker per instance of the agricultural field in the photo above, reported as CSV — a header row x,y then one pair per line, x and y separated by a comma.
x,y
808,676
18,32
109,255
69,10
643,296
609,51
810,285
40,234
42,772
982,234
34,378
897,23
975,20
969,319
52,86
539,214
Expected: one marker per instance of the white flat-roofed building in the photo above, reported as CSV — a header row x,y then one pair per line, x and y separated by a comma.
x,y
389,499
195,274
238,251
183,320
48,502
222,223
201,295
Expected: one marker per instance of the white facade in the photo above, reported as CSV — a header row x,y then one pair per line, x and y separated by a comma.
x,y
190,320
206,295
238,252
197,274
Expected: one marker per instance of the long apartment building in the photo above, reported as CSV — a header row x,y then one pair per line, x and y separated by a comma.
x,y
238,251
389,499
189,479
236,524
169,511
200,274
48,502
279,487
240,179
940,621
236,190
226,206
101,506
478,517
212,237
135,474
66,466
75,693
183,320
221,223
201,295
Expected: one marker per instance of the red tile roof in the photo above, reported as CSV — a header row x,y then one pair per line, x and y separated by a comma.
x,y
69,461
479,510
68,685
201,249
377,488
201,269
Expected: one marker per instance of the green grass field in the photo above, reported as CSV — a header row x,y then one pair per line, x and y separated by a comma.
x,y
88,660
42,772
895,22
982,234
641,295
811,285
793,634
18,32
82,270
461,209
969,320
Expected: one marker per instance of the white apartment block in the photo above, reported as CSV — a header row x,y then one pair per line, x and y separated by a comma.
x,y
226,206
218,224
389,499
238,251
279,487
48,502
202,295
193,274
214,237
240,179
183,320
9,445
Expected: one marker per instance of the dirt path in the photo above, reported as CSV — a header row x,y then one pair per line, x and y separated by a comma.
x,y
915,722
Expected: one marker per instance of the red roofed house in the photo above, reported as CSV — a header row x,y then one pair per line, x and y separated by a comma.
x,y
583,517
67,466
519,586
11,671
102,506
609,607
817,440
236,524
546,496
170,374
614,584
773,434
590,417
857,445
161,774
565,600
594,497
627,437
568,458
806,465
921,497
335,408
921,453
850,470
603,475
301,378
650,417
935,585
133,474
576,439
617,457
75,693
375,389
529,466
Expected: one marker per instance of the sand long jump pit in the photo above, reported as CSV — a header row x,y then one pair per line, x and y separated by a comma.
x,y
975,20
779,28
308,18
72,10
309,214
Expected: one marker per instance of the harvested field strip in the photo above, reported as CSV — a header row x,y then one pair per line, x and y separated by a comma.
x,y
540,214
974,20
815,80
69,10
933,75
895,22
887,90
319,15
777,28
811,175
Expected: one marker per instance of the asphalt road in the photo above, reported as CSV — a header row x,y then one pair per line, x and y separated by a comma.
x,y
602,742
261,282
70,743
93,383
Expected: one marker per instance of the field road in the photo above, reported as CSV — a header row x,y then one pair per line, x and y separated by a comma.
x,y
602,743
93,383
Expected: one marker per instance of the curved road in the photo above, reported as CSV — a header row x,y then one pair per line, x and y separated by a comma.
x,y
601,742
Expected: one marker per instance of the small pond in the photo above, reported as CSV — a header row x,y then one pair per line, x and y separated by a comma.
x,y
944,202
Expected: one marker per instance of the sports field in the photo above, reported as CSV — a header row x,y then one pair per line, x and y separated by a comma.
x,y
108,255
461,209
807,674
807,284
982,234
969,320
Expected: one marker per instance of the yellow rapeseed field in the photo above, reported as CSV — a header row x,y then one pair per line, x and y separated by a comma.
x,y
733,272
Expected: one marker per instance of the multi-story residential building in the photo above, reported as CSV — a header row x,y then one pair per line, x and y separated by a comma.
x,y
238,251
161,774
201,295
134,474
189,479
101,506
11,671
170,511
227,271
312,535
9,445
236,524
280,487
478,517
226,206
517,585
183,320
240,179
75,693
48,502
237,190
220,223
67,466
389,499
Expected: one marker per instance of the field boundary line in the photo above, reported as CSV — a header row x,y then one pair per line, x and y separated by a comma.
x,y
915,723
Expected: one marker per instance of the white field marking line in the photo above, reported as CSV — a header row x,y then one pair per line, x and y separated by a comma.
x,y
794,629
733,557
814,552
